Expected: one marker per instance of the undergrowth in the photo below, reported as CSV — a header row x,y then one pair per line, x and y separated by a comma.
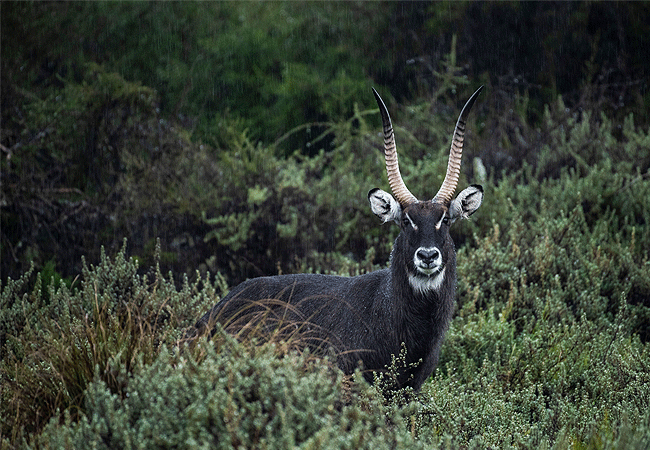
x,y
548,349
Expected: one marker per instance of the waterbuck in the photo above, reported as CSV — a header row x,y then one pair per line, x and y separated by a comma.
x,y
370,319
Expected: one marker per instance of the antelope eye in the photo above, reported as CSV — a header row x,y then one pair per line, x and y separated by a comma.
x,y
408,223
445,220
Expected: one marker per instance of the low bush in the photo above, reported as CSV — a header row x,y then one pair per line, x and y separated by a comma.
x,y
233,397
548,348
103,364
110,322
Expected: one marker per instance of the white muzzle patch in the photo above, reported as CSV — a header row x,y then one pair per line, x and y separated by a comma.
x,y
431,273
427,260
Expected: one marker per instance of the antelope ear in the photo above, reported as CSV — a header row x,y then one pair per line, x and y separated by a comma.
x,y
466,203
384,205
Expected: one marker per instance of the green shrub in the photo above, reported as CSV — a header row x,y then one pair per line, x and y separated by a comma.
x,y
549,347
309,205
109,323
235,397
540,356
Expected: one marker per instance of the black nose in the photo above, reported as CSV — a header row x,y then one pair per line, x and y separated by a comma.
x,y
428,256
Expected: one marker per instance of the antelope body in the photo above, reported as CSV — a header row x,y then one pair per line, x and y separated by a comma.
x,y
370,318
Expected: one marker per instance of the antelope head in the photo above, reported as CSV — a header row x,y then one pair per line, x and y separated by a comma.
x,y
424,244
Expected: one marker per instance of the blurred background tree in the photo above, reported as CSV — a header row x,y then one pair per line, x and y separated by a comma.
x,y
220,127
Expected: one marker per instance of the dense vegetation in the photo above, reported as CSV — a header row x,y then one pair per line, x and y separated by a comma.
x,y
229,140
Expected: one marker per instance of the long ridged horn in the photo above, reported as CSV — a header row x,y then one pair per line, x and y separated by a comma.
x,y
400,191
446,192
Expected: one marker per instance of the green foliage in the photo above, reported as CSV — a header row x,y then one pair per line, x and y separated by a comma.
x,y
310,205
54,345
82,127
94,366
549,347
87,154
545,332
235,397
129,121
50,276
275,65
559,381
101,367
297,80
278,65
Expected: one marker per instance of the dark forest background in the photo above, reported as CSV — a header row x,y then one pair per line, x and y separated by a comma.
x,y
172,120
